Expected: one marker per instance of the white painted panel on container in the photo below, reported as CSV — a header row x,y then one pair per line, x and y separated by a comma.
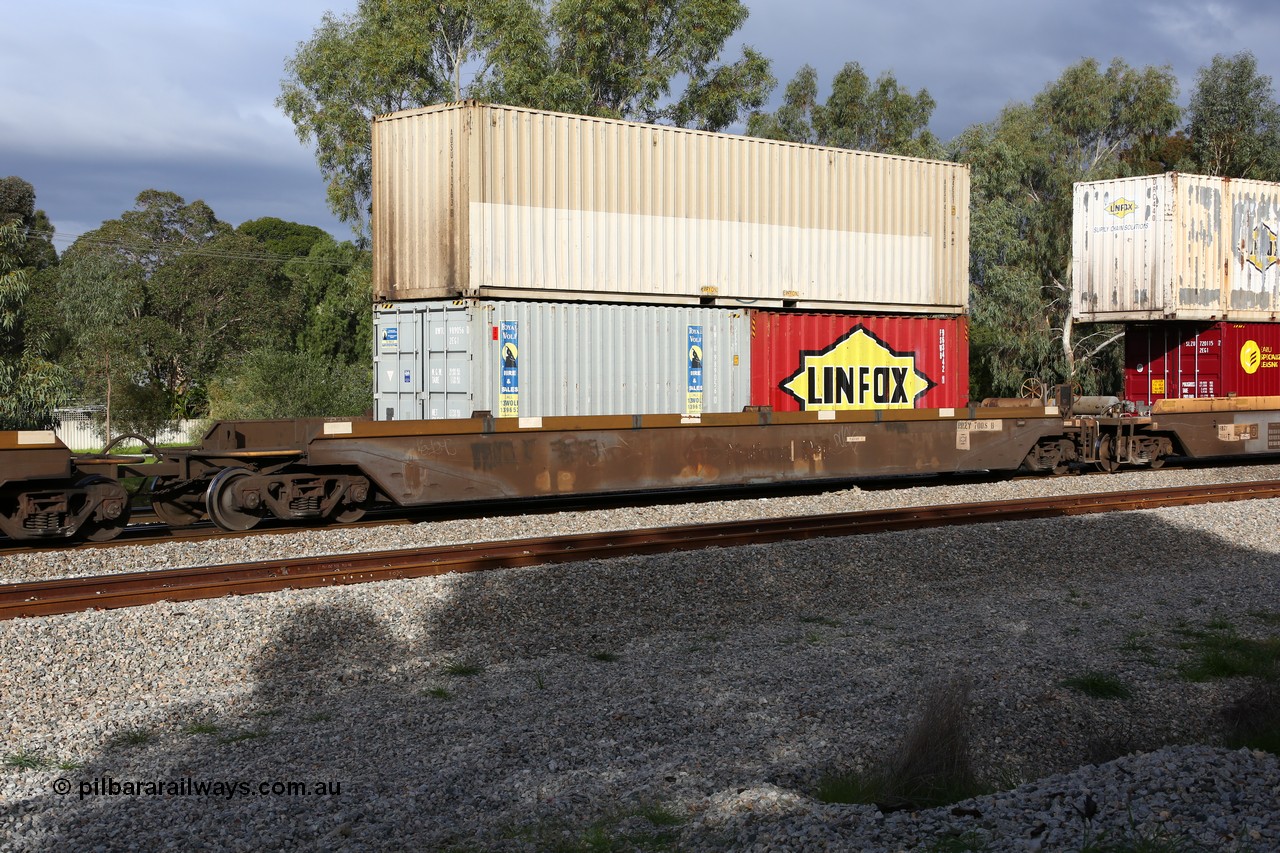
x,y
524,247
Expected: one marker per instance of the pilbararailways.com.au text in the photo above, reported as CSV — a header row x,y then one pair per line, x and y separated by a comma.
x,y
109,786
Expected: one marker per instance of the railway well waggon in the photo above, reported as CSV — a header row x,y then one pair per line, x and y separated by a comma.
x,y
243,472
564,310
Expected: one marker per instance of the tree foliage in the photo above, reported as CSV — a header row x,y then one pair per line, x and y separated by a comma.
x,y
18,203
334,284
1234,120
281,238
881,116
31,385
274,383
616,58
160,297
1090,124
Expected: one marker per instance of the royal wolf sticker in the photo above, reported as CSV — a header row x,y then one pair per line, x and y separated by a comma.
x,y
858,371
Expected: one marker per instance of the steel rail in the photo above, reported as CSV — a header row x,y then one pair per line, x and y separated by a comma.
x,y
136,588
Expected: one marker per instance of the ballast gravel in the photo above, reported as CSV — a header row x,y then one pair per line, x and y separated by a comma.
x,y
694,701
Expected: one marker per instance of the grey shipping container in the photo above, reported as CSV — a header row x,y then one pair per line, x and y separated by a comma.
x,y
452,358
478,200
1176,247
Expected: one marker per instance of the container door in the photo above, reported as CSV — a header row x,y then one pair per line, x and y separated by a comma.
x,y
397,379
447,345
1147,363
1200,362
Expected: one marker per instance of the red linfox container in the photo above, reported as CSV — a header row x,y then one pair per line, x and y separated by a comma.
x,y
813,362
1185,360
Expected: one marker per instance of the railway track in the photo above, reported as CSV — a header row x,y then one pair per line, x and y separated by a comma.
x,y
70,595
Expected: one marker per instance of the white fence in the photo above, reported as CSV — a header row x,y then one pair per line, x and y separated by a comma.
x,y
82,430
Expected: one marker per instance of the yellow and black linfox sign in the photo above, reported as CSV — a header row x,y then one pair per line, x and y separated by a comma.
x,y
1121,207
858,371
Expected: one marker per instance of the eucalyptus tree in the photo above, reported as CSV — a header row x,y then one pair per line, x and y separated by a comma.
x,y
1089,124
617,58
323,367
882,116
31,384
1234,120
31,387
159,297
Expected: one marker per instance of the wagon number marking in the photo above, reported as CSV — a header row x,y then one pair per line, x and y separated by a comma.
x,y
963,428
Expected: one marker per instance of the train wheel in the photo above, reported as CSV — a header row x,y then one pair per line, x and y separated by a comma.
x,y
349,514
1157,463
103,529
176,514
174,508
1107,455
221,502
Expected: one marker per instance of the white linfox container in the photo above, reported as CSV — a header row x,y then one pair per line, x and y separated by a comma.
x,y
449,359
1176,247
477,200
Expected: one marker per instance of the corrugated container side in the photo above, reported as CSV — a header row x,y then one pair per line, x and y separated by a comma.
x,y
1175,247
448,359
811,362
1197,360
546,203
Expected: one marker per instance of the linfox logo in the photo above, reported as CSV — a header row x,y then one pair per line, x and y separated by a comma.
x,y
1263,256
858,371
1121,207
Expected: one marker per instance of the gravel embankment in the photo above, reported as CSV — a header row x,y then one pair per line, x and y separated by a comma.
x,y
688,701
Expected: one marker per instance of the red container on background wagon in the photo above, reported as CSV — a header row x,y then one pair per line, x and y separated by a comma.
x,y
1185,360
812,362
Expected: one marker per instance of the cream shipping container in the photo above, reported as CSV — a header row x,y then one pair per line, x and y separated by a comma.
x,y
494,202
1176,247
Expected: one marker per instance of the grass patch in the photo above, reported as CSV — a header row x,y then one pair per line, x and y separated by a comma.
x,y
201,729
539,681
1135,643
1225,654
133,737
659,815
930,768
1139,841
648,827
322,717
463,669
437,693
607,657
821,620
26,761
1253,720
1099,685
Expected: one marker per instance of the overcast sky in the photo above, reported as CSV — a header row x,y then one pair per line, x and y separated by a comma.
x,y
103,100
